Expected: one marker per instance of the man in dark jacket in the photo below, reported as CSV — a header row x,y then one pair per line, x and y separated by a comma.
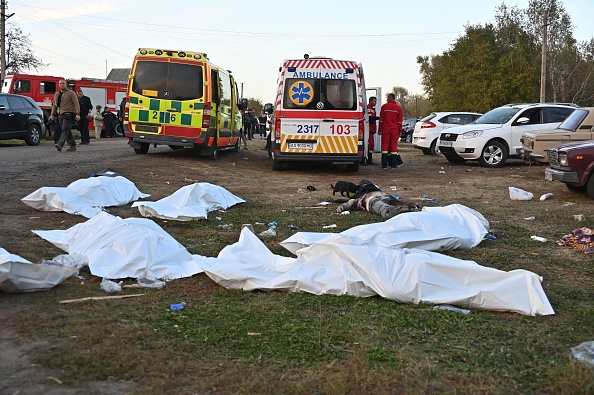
x,y
109,119
86,109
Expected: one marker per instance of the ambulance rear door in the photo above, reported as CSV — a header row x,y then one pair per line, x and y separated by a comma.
x,y
300,123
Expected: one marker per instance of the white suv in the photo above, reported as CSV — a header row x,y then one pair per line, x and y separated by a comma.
x,y
428,129
495,136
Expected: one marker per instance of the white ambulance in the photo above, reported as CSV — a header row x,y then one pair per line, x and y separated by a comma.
x,y
319,113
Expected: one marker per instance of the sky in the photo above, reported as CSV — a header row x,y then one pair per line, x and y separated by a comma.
x,y
252,38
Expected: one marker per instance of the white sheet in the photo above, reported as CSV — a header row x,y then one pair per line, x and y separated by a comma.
x,y
86,197
433,229
120,248
336,266
193,201
20,275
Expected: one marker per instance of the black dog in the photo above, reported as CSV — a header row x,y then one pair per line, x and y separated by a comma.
x,y
344,187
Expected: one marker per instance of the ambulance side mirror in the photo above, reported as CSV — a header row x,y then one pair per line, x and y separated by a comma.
x,y
268,108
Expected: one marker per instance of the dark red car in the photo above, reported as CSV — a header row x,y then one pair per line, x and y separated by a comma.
x,y
573,164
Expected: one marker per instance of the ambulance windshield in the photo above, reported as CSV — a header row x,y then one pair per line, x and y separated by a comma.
x,y
171,81
320,94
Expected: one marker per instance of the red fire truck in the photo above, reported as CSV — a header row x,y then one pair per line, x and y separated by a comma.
x,y
42,89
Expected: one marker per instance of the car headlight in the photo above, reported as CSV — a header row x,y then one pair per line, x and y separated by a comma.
x,y
563,159
472,134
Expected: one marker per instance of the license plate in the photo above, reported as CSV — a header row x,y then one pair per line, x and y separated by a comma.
x,y
445,143
300,145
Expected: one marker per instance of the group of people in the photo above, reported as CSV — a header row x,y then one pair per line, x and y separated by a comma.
x,y
69,107
390,128
253,125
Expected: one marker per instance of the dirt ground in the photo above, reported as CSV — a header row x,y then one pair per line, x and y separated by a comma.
x,y
246,174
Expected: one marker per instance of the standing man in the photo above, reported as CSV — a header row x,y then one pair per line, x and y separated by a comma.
x,y
390,128
67,110
85,116
372,130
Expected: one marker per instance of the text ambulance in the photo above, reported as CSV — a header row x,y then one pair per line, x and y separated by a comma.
x,y
319,112
182,100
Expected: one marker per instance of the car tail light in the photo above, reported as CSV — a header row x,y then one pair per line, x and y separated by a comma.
x,y
427,125
206,116
361,130
126,109
277,128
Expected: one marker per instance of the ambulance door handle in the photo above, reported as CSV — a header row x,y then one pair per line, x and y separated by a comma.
x,y
327,120
171,110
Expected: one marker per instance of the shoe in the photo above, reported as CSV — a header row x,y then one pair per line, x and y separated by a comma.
x,y
245,148
372,163
85,143
394,168
384,168
58,147
364,164
73,148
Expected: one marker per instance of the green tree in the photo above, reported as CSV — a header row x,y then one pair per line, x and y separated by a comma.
x,y
256,105
19,56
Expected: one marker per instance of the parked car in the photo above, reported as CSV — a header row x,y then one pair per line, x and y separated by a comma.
x,y
495,136
576,127
20,118
408,127
428,129
573,164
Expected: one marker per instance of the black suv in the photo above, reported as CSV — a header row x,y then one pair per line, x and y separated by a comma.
x,y
408,127
20,118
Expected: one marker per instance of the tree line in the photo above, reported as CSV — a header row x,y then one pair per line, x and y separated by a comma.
x,y
497,63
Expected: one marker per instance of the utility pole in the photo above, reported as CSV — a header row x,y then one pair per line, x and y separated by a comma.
x,y
241,96
3,18
543,64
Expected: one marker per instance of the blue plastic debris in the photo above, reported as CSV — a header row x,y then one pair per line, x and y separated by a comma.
x,y
490,236
395,197
273,223
176,306
293,227
425,197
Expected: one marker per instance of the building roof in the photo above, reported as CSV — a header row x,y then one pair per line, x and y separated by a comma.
x,y
119,75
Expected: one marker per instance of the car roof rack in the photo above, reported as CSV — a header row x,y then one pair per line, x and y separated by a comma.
x,y
535,104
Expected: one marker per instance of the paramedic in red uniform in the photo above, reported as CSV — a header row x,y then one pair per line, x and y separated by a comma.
x,y
390,128
372,129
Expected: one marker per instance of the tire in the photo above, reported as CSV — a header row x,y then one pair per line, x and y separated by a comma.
x,y
576,188
455,159
426,151
494,154
353,167
214,155
33,135
120,130
590,187
277,165
435,149
144,147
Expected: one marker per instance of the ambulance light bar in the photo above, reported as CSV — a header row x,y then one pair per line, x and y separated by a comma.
x,y
349,70
292,69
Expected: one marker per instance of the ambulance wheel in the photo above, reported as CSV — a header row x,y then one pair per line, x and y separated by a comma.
x,y
120,130
277,165
214,155
353,167
144,147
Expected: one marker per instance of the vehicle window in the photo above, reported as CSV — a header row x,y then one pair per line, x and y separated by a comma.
x,y
333,94
475,117
216,86
22,86
574,120
534,115
6,85
171,81
225,88
47,87
428,117
15,102
497,116
4,102
556,114
457,119
28,103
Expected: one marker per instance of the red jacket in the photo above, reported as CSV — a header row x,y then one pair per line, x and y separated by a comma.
x,y
391,116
